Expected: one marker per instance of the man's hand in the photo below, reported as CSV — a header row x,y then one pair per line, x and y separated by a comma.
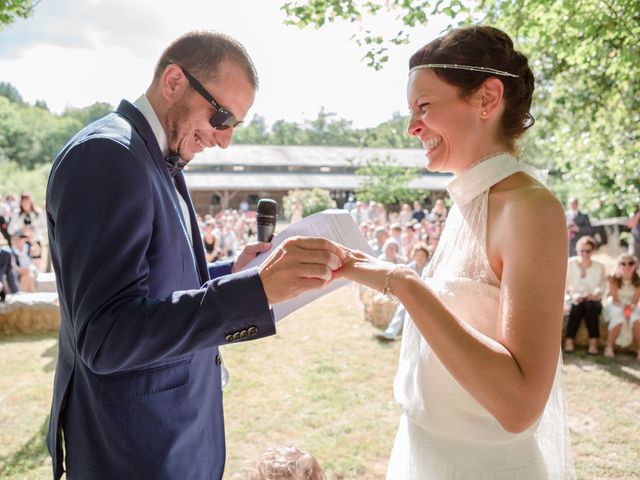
x,y
248,253
299,264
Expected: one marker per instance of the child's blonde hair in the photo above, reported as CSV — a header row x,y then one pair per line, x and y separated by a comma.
x,y
286,463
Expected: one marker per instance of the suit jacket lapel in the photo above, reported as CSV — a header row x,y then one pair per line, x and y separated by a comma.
x,y
198,246
137,120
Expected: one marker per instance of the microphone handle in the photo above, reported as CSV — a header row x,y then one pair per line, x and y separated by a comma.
x,y
265,232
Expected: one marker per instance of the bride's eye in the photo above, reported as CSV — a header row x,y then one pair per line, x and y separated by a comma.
x,y
424,107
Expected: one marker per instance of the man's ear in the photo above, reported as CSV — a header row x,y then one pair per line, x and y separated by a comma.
x,y
491,93
173,83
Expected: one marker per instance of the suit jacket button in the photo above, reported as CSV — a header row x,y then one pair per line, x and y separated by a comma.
x,y
252,331
244,334
236,336
229,338
218,360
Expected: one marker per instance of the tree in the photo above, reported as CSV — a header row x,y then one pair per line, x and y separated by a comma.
x,y
11,10
9,91
312,201
86,115
387,183
31,135
253,133
586,58
390,134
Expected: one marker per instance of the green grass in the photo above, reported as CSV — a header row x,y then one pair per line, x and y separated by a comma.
x,y
324,383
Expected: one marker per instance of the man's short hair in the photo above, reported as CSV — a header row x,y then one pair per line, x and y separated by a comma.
x,y
201,52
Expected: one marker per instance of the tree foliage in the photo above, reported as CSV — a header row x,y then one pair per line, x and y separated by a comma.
x,y
11,10
327,129
312,201
31,135
586,58
384,182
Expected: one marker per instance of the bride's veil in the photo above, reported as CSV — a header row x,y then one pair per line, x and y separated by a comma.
x,y
553,432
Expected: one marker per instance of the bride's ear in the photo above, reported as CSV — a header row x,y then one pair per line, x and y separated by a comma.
x,y
491,93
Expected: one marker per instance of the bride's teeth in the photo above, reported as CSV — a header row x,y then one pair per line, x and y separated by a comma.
x,y
432,143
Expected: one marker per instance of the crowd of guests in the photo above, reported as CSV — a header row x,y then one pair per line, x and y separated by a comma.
x,y
593,294
393,236
408,236
22,242
225,233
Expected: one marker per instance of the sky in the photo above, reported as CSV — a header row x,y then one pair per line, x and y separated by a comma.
x,y
77,52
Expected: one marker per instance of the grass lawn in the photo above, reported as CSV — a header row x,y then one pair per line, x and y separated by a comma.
x,y
323,383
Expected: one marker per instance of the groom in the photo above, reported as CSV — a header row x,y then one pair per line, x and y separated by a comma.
x,y
137,391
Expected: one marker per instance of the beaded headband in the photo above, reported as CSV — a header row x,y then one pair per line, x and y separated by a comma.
x,y
472,68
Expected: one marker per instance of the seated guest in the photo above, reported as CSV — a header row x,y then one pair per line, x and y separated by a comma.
x,y
22,263
418,212
586,283
380,236
286,463
408,239
391,252
211,242
29,215
7,278
438,212
420,256
621,311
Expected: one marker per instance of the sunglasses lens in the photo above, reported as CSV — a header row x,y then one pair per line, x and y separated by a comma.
x,y
221,120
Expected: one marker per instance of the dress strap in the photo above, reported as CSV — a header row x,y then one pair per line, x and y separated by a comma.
x,y
482,176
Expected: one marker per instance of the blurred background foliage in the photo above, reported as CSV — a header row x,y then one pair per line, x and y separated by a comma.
x,y
585,55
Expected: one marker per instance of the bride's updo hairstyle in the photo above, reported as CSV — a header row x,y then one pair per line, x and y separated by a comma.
x,y
486,48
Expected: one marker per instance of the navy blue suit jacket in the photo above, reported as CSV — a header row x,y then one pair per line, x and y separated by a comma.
x,y
137,389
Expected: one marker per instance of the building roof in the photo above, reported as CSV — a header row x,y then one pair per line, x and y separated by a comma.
x,y
340,164
199,181
307,155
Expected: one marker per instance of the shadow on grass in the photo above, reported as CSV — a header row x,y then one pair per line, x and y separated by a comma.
x,y
24,337
618,367
51,352
31,455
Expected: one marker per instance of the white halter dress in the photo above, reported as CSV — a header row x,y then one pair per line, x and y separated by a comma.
x,y
444,432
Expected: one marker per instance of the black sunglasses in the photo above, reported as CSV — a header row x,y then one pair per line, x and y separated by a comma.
x,y
222,118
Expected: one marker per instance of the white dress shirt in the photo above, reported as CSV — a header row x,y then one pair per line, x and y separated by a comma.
x,y
149,113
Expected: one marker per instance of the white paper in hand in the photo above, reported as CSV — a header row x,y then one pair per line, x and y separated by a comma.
x,y
335,225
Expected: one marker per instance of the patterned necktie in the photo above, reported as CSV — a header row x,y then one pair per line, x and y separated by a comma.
x,y
174,164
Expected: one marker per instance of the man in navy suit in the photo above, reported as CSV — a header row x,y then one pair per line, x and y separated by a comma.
x,y
137,391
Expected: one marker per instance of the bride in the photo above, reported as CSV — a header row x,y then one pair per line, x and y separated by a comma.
x,y
479,377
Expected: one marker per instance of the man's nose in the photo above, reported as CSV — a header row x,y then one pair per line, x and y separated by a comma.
x,y
223,137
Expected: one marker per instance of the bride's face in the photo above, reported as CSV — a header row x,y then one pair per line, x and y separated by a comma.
x,y
446,123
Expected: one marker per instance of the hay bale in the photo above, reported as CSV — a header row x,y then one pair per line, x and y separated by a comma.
x,y
30,313
378,309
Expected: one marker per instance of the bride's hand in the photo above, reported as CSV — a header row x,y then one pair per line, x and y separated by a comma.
x,y
364,269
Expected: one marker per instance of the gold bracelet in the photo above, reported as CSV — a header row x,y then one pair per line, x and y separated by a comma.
x,y
386,291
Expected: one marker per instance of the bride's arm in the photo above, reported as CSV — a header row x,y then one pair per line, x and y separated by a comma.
x,y
510,374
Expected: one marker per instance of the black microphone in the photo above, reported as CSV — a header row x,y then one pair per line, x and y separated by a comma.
x,y
266,219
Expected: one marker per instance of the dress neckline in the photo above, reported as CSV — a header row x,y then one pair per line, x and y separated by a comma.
x,y
481,176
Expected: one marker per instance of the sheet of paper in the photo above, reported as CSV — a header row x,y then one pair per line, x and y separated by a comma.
x,y
336,225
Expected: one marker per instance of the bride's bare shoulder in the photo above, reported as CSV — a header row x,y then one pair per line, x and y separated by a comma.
x,y
522,194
